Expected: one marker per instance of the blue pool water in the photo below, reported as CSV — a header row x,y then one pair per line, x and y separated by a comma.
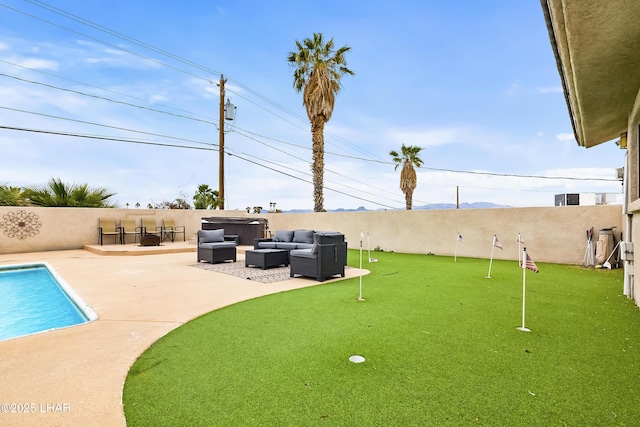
x,y
33,298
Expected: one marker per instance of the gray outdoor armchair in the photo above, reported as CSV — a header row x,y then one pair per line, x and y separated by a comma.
x,y
327,257
213,248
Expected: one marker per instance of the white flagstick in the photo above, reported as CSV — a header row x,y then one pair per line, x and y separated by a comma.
x,y
519,241
524,288
361,238
455,252
493,245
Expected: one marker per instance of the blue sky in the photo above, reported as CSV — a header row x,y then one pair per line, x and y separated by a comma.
x,y
473,83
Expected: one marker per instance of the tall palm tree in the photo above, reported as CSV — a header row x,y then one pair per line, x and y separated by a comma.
x,y
408,157
57,193
317,74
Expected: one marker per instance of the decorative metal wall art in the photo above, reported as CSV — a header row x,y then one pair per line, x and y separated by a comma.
x,y
20,224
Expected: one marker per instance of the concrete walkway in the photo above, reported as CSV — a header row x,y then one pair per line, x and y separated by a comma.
x,y
74,376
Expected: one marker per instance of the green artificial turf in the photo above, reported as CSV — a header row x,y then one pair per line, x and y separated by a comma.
x,y
440,344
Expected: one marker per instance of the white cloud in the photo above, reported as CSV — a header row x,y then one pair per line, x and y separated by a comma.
x,y
96,53
426,137
34,63
565,136
552,89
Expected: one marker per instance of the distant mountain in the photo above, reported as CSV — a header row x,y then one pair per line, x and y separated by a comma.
x,y
433,206
475,205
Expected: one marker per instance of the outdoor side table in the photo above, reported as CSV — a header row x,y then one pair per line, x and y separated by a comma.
x,y
150,240
266,258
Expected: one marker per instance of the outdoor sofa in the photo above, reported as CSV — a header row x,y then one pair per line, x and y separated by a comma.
x,y
287,239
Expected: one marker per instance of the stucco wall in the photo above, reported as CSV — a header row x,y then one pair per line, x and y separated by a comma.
x,y
553,234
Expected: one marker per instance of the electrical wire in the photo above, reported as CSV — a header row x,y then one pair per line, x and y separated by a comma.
x,y
104,89
102,125
104,138
107,99
156,61
519,176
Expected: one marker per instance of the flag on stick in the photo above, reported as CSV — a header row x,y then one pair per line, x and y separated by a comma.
x,y
455,253
520,242
496,244
361,239
530,264
526,264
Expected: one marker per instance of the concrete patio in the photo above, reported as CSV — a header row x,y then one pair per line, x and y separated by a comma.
x,y
74,376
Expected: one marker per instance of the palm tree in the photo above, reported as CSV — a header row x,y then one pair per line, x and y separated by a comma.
x,y
317,74
57,193
408,157
206,198
11,196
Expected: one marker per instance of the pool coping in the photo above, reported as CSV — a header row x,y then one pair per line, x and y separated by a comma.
x,y
75,375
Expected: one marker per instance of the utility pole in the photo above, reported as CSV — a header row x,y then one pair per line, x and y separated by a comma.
x,y
221,147
457,197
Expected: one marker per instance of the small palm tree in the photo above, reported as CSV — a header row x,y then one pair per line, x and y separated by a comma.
x,y
206,198
11,196
408,157
58,194
318,70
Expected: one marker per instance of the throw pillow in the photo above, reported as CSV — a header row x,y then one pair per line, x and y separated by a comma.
x,y
283,236
211,236
303,236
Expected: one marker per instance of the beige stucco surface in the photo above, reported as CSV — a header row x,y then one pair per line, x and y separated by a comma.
x,y
596,43
552,234
74,376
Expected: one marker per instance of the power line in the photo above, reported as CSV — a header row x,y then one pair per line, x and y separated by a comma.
x,y
107,43
104,138
343,184
107,99
101,125
117,34
102,89
306,161
309,182
520,176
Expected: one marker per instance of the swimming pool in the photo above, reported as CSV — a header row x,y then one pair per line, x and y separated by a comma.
x,y
34,298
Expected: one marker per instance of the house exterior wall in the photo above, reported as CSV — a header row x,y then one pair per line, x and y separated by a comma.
x,y
631,206
551,234
595,44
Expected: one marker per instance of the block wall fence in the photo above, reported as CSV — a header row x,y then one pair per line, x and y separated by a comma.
x,y
551,234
